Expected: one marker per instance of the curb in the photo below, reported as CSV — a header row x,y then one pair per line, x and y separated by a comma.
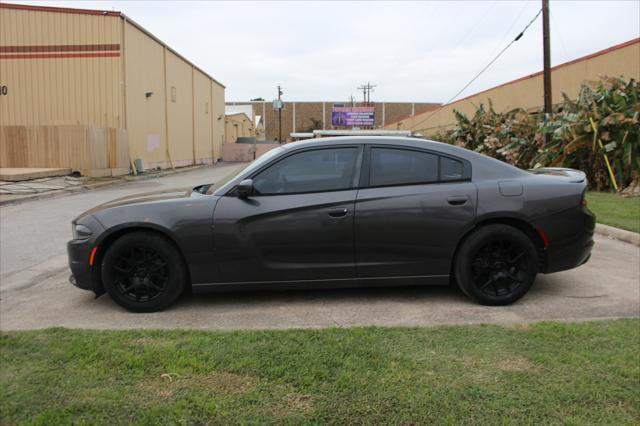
x,y
96,185
618,234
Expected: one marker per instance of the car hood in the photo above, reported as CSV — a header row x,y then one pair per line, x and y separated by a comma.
x,y
145,198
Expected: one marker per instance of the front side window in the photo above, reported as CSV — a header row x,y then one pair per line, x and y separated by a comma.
x,y
390,166
310,171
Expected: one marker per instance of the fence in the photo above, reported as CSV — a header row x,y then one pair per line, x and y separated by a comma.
x,y
89,150
245,151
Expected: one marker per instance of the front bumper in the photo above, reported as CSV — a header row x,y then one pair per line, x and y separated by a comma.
x,y
570,239
79,252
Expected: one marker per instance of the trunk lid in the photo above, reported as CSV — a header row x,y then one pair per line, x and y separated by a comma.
x,y
571,175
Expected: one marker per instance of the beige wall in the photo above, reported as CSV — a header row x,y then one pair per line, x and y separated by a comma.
x,y
145,122
94,69
179,110
217,97
238,126
623,60
52,87
202,116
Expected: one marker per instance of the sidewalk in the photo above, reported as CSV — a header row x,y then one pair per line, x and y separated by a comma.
x,y
37,189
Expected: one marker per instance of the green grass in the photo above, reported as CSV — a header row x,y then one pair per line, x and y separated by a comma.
x,y
581,373
612,209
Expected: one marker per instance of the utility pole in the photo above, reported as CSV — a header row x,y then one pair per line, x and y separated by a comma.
x,y
546,72
279,106
366,92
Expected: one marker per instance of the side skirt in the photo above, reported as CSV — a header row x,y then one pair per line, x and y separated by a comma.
x,y
323,284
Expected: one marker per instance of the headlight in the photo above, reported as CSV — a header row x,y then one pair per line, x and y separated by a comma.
x,y
80,232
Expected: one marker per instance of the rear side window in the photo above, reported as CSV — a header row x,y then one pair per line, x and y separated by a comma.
x,y
391,166
450,169
309,171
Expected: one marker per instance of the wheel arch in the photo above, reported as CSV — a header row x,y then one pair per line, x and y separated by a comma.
x,y
113,234
510,220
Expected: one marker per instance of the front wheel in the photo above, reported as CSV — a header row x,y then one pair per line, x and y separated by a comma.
x,y
496,265
143,272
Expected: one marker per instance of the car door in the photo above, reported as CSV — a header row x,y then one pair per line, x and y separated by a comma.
x,y
298,223
412,208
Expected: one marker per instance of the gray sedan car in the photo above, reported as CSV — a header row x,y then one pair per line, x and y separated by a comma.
x,y
340,212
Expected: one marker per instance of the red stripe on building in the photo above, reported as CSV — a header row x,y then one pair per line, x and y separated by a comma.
x,y
60,48
62,55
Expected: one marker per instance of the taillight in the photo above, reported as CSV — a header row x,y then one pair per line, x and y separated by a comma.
x,y
584,202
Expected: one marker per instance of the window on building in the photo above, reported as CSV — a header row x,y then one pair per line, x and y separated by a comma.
x,y
206,107
173,93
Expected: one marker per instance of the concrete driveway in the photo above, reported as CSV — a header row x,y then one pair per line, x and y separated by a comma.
x,y
35,293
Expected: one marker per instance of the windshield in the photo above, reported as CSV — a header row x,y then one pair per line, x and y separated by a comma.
x,y
251,167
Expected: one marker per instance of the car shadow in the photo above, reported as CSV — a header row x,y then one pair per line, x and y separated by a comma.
x,y
442,294
352,295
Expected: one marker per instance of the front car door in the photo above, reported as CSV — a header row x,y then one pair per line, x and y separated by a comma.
x,y
297,225
412,209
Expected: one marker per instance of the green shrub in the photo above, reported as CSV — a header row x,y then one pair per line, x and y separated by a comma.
x,y
517,136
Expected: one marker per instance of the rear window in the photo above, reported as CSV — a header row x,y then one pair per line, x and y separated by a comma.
x,y
450,169
390,166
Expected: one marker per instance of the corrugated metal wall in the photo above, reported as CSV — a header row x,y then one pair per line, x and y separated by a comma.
x,y
64,66
60,68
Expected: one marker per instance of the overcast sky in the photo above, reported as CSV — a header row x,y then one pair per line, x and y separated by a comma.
x,y
413,51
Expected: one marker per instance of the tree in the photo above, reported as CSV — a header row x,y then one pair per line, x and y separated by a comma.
x,y
315,125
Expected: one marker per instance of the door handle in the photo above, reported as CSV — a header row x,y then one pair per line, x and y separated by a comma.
x,y
457,200
338,212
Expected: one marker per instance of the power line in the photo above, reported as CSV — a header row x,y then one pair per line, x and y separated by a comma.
x,y
518,37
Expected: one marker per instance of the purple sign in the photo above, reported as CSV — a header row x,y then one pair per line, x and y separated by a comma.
x,y
353,116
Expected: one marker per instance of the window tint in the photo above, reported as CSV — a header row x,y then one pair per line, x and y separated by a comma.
x,y
309,171
450,169
400,166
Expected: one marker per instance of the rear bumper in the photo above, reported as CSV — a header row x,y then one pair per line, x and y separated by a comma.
x,y
570,239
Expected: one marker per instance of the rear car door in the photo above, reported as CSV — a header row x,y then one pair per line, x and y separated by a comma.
x,y
412,208
298,224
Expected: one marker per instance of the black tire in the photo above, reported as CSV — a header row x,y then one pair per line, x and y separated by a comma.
x,y
496,265
143,272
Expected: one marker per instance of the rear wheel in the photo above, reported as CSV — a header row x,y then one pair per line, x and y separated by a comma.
x,y
496,265
143,272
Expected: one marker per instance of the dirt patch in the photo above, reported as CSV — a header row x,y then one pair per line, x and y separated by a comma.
x,y
168,384
517,364
222,382
292,404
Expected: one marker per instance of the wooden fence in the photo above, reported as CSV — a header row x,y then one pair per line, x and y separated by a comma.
x,y
89,150
245,151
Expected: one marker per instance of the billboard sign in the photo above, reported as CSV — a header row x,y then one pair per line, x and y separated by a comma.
x,y
353,116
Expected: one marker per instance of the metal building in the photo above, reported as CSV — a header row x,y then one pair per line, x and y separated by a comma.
x,y
62,67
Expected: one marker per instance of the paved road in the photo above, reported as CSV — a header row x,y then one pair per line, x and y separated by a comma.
x,y
35,292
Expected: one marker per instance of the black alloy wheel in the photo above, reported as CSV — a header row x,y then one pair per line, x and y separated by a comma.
x,y
143,272
496,265
499,267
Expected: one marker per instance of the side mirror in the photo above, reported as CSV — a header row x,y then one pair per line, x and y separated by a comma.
x,y
245,188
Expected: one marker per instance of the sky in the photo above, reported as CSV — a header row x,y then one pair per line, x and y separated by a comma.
x,y
412,51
